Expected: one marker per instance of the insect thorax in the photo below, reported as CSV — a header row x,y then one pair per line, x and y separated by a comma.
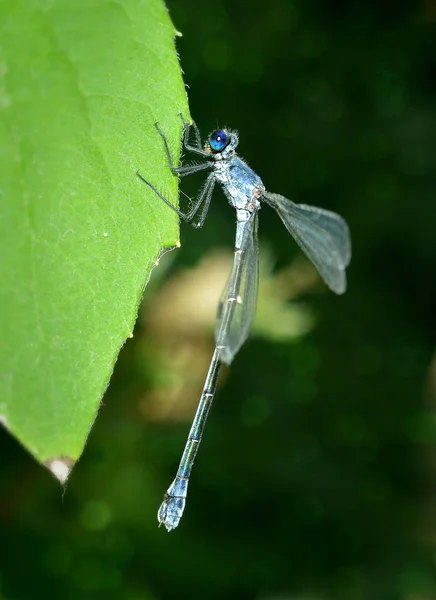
x,y
240,183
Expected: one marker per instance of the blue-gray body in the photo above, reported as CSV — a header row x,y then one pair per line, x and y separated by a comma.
x,y
243,188
321,234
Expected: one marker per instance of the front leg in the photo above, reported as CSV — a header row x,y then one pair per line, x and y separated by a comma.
x,y
182,171
186,129
198,148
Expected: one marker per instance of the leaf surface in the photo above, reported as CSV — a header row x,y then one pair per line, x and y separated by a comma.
x,y
81,85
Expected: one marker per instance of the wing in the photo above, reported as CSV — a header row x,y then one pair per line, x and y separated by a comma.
x,y
322,235
237,305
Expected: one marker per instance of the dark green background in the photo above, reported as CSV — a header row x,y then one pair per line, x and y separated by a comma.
x,y
332,494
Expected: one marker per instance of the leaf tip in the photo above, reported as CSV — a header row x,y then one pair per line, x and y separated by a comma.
x,y
60,467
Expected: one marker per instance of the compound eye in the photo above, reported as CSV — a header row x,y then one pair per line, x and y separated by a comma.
x,y
218,140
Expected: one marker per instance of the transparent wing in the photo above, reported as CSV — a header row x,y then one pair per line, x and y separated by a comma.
x,y
322,235
237,305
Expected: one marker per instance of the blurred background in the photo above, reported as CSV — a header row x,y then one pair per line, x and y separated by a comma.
x,y
316,476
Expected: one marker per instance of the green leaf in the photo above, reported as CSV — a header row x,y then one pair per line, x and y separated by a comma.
x,y
81,85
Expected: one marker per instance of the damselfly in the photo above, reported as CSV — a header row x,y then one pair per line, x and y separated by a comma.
x,y
322,235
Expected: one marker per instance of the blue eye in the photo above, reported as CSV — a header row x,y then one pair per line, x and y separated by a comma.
x,y
218,140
